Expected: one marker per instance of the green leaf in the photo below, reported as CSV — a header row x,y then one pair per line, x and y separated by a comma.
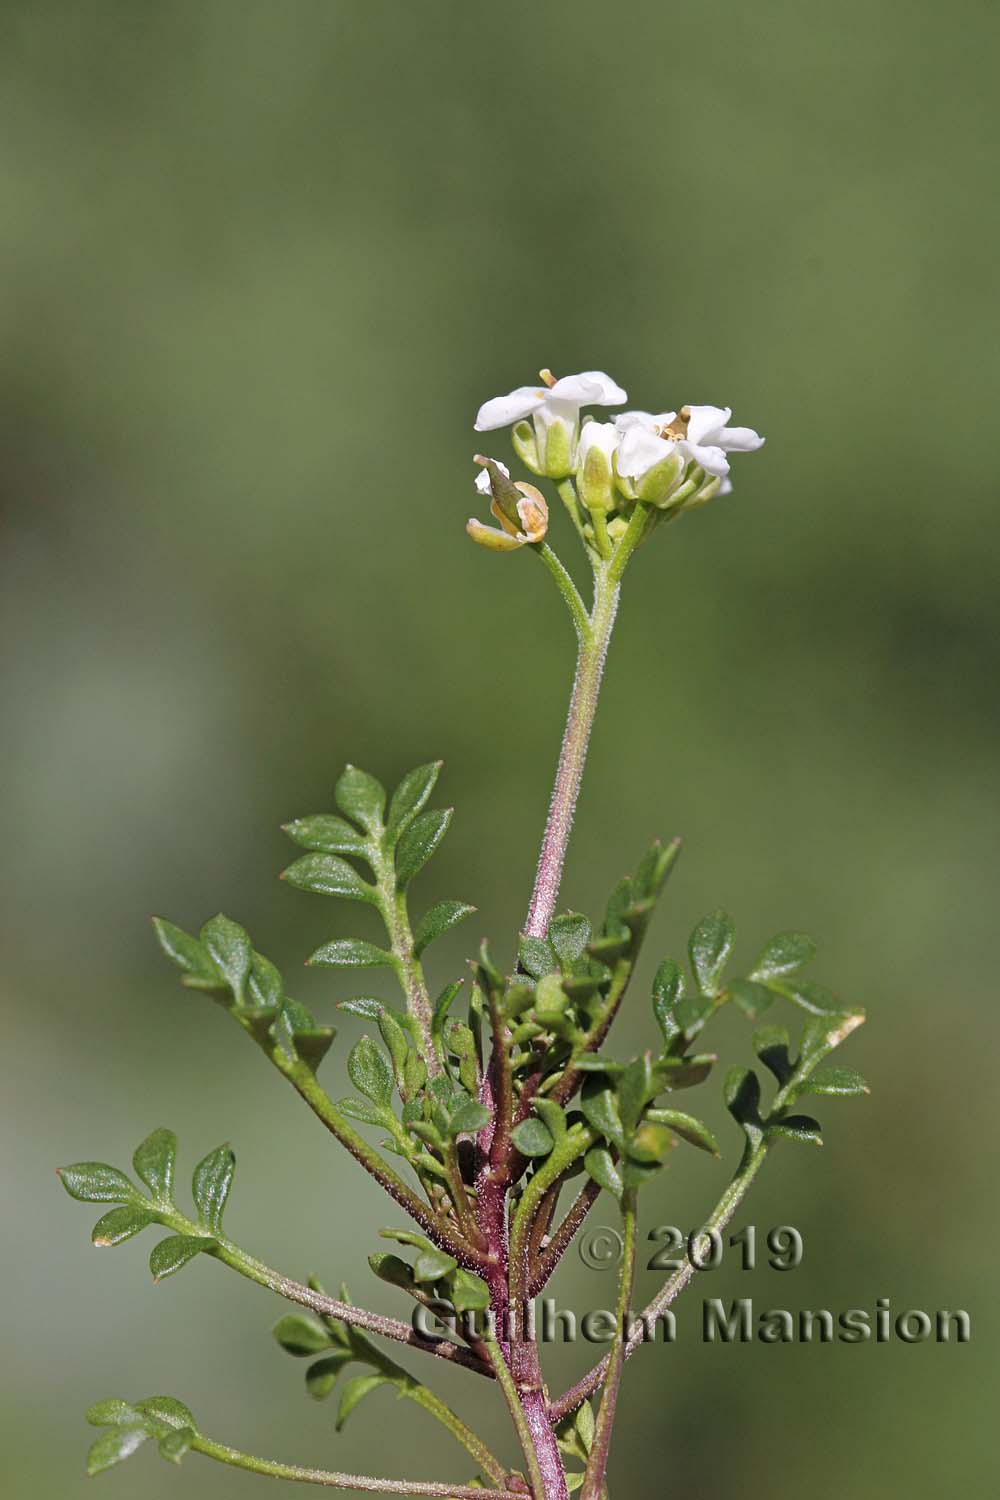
x,y
392,1269
96,1182
322,1376
328,875
229,948
431,1264
709,948
797,1128
351,953
419,841
469,1118
266,986
651,1144
113,1413
370,1072
552,1115
175,1444
440,918
750,997
598,1162
397,1038
362,1110
836,1082
174,1252
783,955
301,1335
688,1127
741,1093
325,833
355,1391
771,1045
443,1005
537,957
814,998
114,1446
361,797
166,1411
153,1161
569,935
532,1138
468,1292
600,1108
213,1177
411,796
120,1225
185,951
684,1072
668,990
635,1088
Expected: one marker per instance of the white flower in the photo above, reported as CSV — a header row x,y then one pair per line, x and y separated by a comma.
x,y
554,409
657,450
708,439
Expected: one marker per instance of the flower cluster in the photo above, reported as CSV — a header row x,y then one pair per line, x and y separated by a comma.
x,y
672,460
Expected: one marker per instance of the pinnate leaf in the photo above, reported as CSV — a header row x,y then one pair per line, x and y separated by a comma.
x,y
410,797
438,920
709,948
532,1138
213,1178
354,1391
361,797
173,1253
154,1160
328,875
186,951
419,842
96,1182
301,1335
370,1072
120,1225
783,955
230,950
351,953
325,833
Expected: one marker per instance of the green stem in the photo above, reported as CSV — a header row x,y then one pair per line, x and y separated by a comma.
x,y
268,1466
566,587
302,1078
597,1463
255,1270
442,1412
409,970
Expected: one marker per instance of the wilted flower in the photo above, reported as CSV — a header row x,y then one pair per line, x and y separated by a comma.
x,y
520,508
548,444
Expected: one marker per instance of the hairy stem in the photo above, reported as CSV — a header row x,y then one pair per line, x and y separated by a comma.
x,y
594,634
274,1470
593,650
597,1463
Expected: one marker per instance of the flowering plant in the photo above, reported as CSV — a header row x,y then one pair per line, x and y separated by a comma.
x,y
497,1096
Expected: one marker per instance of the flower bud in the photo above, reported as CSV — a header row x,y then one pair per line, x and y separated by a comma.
x,y
595,457
520,509
525,445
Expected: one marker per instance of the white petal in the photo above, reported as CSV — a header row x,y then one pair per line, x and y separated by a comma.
x,y
602,435
710,458
706,422
740,440
645,419
640,449
591,388
503,411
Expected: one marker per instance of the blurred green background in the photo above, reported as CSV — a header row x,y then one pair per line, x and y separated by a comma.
x,y
260,264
